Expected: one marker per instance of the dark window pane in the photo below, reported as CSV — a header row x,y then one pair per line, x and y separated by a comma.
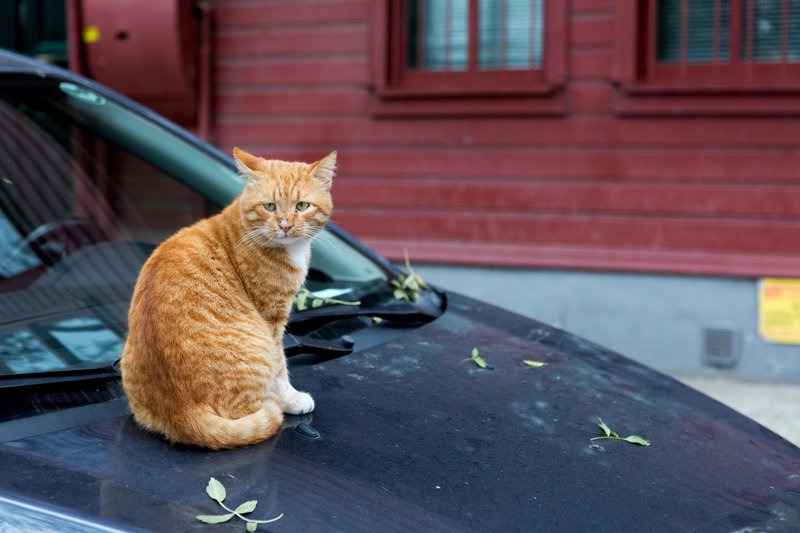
x,y
794,31
510,34
669,31
765,28
706,30
445,35
725,31
412,34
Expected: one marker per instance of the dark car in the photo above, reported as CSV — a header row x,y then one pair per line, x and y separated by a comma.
x,y
411,432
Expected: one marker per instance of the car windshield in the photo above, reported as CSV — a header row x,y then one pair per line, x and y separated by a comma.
x,y
88,188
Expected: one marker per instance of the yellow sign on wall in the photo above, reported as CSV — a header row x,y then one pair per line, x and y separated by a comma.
x,y
779,310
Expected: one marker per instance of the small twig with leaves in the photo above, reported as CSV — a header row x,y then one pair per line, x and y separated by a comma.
x,y
479,361
305,299
612,435
216,492
408,286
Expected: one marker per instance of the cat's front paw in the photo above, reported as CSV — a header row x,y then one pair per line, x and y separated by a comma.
x,y
299,403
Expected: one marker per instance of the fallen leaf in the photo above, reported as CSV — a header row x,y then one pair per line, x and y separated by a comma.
x,y
636,439
247,507
215,490
477,359
534,364
214,519
613,435
606,429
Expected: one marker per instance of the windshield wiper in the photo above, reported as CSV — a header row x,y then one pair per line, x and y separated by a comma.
x,y
423,310
301,347
101,372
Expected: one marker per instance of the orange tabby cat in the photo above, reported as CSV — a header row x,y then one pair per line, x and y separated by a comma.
x,y
203,361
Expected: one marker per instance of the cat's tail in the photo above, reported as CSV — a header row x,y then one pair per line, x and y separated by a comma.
x,y
203,427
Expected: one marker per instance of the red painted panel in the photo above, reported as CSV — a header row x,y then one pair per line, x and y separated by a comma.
x,y
591,97
592,32
701,234
356,130
245,14
589,257
145,53
592,6
313,101
591,63
675,102
292,41
647,199
564,163
286,71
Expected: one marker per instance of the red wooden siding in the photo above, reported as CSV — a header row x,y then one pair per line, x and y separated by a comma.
x,y
604,173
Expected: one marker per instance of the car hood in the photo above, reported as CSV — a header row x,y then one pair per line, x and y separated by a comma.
x,y
414,436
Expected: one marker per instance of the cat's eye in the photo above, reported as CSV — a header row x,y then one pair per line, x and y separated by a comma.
x,y
302,206
270,206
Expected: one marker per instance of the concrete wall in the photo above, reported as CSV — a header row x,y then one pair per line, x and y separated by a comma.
x,y
658,320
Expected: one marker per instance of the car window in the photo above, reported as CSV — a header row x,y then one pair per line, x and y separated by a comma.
x,y
87,190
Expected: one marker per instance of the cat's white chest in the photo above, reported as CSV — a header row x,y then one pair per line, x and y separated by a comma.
x,y
300,254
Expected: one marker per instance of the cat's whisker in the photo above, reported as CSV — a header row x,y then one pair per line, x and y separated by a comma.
x,y
253,237
333,244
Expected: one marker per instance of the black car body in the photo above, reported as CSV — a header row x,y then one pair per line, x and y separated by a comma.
x,y
409,433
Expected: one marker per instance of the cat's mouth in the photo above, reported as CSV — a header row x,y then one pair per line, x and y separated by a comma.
x,y
284,238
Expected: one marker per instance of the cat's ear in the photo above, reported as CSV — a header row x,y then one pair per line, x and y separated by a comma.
x,y
323,170
247,163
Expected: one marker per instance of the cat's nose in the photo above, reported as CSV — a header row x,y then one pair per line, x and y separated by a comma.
x,y
286,227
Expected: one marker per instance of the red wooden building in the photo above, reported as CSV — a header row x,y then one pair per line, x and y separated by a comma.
x,y
630,135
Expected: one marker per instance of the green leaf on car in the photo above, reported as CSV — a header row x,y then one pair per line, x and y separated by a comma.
x,y
476,358
609,434
408,287
636,439
216,491
305,299
214,519
533,364
247,507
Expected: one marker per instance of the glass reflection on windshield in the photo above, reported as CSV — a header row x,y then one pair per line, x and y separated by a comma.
x,y
87,339
21,353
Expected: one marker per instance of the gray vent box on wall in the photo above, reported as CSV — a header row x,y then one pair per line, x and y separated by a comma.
x,y
721,345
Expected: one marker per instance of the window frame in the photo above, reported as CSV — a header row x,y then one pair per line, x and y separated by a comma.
x,y
402,91
732,88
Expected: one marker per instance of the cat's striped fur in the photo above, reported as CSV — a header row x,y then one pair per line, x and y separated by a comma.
x,y
203,362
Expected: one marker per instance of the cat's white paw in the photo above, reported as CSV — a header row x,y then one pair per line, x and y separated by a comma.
x,y
299,403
